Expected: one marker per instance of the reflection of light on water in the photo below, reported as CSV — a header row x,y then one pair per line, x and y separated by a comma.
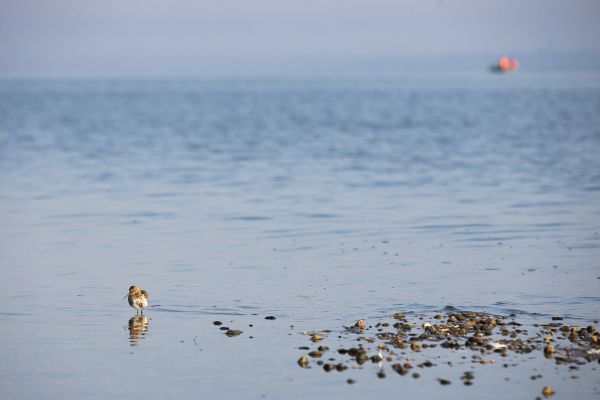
x,y
138,326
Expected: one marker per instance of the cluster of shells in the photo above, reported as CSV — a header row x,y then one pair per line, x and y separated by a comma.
x,y
488,336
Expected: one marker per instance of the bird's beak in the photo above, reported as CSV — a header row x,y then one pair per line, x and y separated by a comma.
x,y
126,295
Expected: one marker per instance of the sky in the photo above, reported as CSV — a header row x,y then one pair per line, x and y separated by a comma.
x,y
172,38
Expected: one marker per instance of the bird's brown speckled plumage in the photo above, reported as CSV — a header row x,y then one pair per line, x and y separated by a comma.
x,y
137,298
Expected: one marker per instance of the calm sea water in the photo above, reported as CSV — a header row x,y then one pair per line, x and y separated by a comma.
x,y
320,202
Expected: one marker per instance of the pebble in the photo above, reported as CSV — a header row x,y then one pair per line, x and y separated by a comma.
x,y
360,324
341,367
329,367
351,381
548,391
217,323
415,346
303,361
444,381
271,317
233,332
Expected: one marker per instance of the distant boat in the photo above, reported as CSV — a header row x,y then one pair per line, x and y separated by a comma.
x,y
505,64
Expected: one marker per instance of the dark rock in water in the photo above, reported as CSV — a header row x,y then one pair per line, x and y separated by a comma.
x,y
217,323
341,367
444,381
323,349
416,375
329,367
376,359
381,374
271,317
233,332
360,324
351,381
361,358
315,354
224,328
400,369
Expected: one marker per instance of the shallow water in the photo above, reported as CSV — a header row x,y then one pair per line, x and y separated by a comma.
x,y
319,202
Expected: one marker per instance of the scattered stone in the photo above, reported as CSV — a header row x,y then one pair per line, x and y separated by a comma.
x,y
400,369
548,391
233,332
381,374
329,367
351,381
360,324
303,361
217,323
376,359
444,381
271,317
341,367
316,338
549,350
315,354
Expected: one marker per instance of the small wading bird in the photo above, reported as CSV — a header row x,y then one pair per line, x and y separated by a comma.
x,y
137,298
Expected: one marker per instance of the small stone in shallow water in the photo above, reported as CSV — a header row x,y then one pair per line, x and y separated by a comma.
x,y
381,374
549,350
444,381
329,367
416,375
341,367
415,346
271,317
303,361
360,324
315,354
376,359
548,391
351,381
217,323
233,332
400,369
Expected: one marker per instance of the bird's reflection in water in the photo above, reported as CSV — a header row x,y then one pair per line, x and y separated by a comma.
x,y
138,326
